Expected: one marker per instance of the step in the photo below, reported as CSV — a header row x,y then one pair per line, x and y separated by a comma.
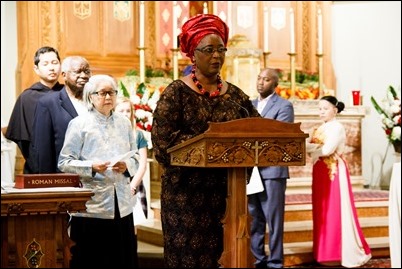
x,y
156,208
295,253
371,206
150,231
302,252
147,250
301,231
303,184
300,212
298,205
149,256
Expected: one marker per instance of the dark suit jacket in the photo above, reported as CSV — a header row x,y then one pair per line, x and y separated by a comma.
x,y
53,113
20,126
280,109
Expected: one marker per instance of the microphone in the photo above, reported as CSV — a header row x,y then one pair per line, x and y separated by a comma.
x,y
227,97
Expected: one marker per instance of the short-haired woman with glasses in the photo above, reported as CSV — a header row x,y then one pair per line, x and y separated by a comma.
x,y
193,200
104,234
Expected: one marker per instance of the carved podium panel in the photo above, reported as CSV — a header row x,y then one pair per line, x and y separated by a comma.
x,y
239,144
34,228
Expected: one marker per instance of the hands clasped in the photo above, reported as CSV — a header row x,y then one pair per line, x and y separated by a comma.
x,y
100,167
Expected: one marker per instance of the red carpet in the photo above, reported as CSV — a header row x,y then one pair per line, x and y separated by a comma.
x,y
360,196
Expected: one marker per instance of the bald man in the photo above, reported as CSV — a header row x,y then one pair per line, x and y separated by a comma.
x,y
268,206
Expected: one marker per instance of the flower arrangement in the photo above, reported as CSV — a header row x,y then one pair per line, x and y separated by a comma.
x,y
144,97
307,86
390,113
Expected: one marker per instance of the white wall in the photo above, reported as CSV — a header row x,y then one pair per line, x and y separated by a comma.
x,y
366,42
8,57
8,60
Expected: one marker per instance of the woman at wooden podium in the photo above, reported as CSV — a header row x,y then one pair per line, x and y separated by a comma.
x,y
193,200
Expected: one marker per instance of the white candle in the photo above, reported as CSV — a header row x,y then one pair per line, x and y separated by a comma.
x,y
319,19
205,9
174,20
292,30
142,24
266,25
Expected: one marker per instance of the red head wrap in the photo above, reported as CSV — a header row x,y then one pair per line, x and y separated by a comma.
x,y
197,27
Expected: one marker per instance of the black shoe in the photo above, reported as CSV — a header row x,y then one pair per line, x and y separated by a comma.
x,y
261,265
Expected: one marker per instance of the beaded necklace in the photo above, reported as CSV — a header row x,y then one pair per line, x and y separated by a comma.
x,y
201,88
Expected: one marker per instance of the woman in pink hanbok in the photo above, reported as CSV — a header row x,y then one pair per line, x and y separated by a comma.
x,y
337,235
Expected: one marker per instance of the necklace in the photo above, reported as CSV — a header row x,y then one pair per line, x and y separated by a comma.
x,y
201,88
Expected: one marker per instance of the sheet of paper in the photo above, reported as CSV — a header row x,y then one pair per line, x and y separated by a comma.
x,y
121,157
255,184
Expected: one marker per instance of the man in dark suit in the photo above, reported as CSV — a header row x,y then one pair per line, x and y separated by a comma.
x,y
54,112
19,129
268,206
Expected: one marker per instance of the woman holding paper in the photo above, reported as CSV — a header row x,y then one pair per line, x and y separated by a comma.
x,y
96,147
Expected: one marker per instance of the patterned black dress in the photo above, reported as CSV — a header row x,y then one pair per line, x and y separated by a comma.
x,y
193,199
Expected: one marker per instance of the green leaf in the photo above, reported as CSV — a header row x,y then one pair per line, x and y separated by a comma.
x,y
141,88
392,90
132,72
376,106
124,90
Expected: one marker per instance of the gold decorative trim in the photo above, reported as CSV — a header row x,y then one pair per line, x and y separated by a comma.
x,y
306,29
122,10
150,37
15,208
46,19
33,254
82,9
248,153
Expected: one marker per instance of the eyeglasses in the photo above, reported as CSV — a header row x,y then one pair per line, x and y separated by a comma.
x,y
103,94
209,51
78,72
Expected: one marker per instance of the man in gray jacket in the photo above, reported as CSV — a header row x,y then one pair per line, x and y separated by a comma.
x,y
268,206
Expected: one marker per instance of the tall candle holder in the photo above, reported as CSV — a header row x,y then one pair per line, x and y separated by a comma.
x,y
142,64
175,54
292,56
320,74
266,56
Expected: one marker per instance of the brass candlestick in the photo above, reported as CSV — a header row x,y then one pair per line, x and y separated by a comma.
x,y
266,55
320,74
175,60
292,56
142,64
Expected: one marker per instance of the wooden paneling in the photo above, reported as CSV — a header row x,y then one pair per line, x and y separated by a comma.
x,y
92,31
106,36
83,36
35,223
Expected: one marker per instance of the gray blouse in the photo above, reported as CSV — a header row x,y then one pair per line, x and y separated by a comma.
x,y
95,137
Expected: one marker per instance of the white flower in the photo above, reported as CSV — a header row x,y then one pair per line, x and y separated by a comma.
x,y
144,97
390,113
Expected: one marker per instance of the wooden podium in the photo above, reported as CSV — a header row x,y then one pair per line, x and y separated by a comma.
x,y
237,145
34,227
